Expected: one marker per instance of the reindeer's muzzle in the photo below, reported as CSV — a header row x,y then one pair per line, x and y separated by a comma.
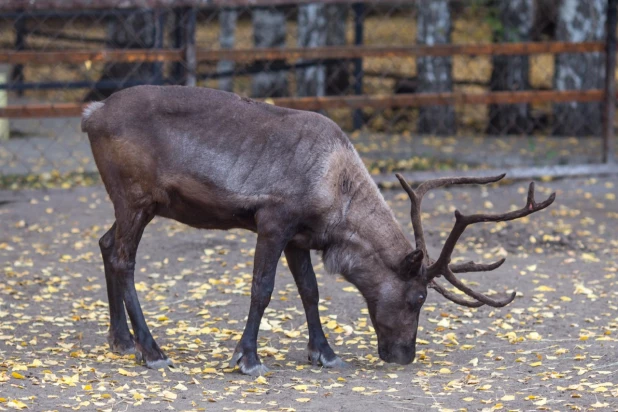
x,y
400,354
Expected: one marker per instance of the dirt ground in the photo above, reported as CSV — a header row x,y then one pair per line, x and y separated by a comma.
x,y
553,348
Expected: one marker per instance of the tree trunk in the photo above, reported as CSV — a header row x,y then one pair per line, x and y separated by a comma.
x,y
269,31
227,22
137,30
545,17
579,21
434,73
510,73
338,71
310,81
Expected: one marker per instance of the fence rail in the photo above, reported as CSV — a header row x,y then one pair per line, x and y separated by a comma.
x,y
322,53
126,4
354,102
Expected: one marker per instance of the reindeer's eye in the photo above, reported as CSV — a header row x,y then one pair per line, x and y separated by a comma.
x,y
417,301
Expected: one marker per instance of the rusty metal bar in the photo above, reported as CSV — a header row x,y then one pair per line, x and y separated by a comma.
x,y
432,99
81,56
123,4
352,52
328,52
42,110
609,109
353,102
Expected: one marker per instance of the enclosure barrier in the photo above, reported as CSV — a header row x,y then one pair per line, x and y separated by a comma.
x,y
188,56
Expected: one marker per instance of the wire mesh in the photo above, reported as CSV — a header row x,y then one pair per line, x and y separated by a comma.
x,y
389,138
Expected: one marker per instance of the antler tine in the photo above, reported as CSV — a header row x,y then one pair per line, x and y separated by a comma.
x,y
441,265
450,276
447,181
452,297
475,267
415,214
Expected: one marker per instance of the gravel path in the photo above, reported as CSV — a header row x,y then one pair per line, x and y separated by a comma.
x,y
553,348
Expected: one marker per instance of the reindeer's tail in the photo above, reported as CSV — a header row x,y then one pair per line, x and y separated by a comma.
x,y
88,113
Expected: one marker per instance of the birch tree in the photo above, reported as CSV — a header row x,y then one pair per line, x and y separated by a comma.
x,y
269,30
227,24
579,21
311,81
510,73
434,73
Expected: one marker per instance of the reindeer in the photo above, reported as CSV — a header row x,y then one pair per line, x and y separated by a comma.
x,y
214,160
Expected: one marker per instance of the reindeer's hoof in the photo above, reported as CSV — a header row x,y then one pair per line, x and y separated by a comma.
x,y
318,358
153,357
160,363
249,364
121,346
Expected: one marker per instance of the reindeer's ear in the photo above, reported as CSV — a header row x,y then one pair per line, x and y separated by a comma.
x,y
412,264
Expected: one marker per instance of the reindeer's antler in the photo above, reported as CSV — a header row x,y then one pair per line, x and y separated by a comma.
x,y
442,265
416,197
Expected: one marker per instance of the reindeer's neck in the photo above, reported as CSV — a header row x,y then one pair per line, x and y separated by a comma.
x,y
364,235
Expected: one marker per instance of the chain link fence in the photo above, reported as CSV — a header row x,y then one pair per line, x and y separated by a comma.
x,y
417,84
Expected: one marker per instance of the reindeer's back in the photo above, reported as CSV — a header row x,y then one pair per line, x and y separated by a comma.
x,y
198,143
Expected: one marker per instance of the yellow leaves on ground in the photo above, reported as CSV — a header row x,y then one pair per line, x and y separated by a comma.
x,y
589,257
16,404
545,289
534,336
551,344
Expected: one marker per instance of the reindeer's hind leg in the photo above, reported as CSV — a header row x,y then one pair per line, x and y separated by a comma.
x,y
130,225
119,338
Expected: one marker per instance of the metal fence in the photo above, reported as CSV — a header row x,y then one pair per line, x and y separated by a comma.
x,y
439,74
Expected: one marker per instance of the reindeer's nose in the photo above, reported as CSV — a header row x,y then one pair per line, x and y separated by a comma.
x,y
400,354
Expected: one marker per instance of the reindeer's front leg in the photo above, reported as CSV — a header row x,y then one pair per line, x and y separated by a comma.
x,y
270,244
320,352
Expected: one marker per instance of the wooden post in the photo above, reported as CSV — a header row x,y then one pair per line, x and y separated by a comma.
x,y
20,42
178,42
4,101
359,10
227,32
609,109
160,16
190,49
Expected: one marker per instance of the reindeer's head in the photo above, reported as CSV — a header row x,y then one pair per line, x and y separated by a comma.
x,y
396,306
